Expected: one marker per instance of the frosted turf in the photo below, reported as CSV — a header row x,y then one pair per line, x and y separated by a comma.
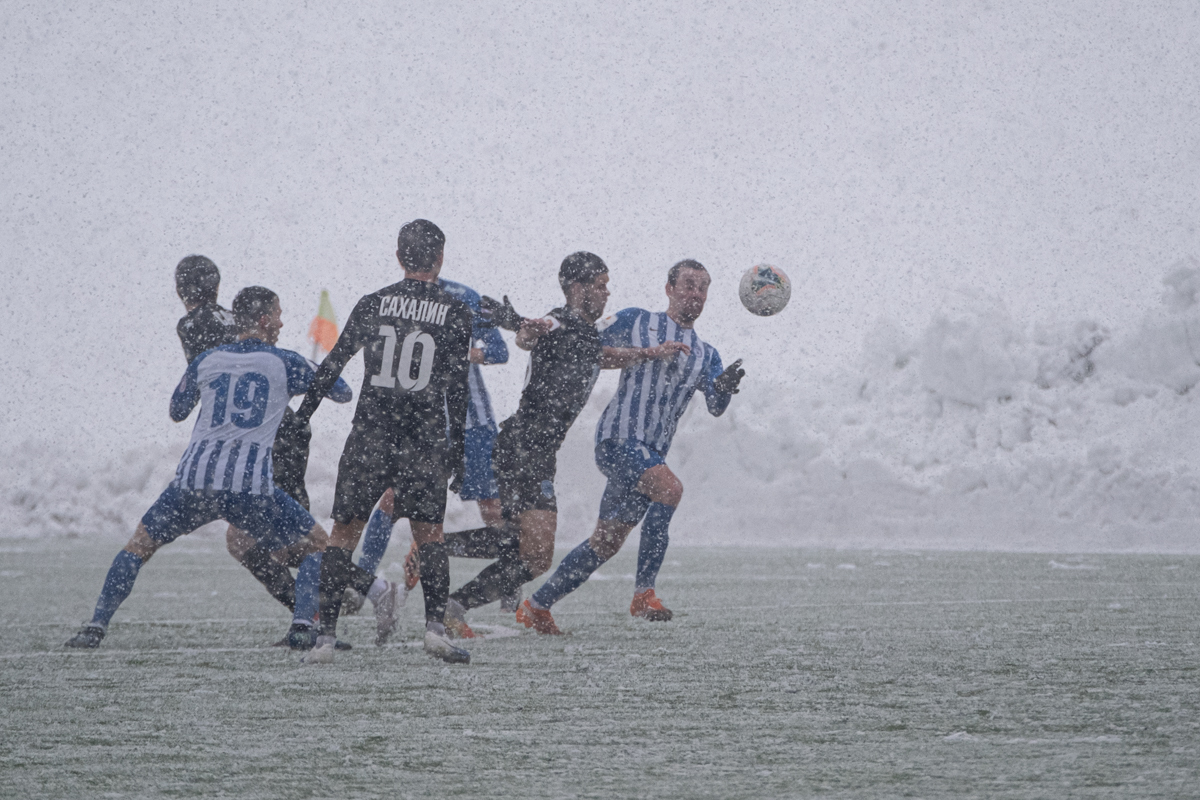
x,y
785,673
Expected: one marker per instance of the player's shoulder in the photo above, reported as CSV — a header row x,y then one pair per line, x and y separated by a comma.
x,y
626,316
460,291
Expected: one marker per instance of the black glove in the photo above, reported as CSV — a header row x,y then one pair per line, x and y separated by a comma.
x,y
499,315
727,382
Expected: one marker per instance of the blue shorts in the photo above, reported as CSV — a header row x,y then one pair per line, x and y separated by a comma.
x,y
623,461
273,520
479,482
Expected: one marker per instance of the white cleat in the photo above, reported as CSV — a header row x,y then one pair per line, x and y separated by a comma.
x,y
386,608
441,647
323,652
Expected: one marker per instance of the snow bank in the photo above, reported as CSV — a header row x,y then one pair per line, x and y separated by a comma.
x,y
979,432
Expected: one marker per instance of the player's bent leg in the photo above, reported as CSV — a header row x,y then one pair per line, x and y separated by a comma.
x,y
258,560
118,584
577,567
665,492
435,585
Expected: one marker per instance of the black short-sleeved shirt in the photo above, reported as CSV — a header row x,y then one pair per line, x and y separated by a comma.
x,y
562,371
415,339
204,328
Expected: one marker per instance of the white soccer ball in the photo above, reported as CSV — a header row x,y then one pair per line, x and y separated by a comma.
x,y
765,290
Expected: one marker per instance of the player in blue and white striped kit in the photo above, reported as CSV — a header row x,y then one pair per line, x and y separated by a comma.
x,y
226,471
634,435
478,480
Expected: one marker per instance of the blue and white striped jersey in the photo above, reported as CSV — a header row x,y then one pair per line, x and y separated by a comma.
x,y
495,351
652,395
242,389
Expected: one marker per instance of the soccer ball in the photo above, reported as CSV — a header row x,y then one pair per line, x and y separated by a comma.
x,y
765,290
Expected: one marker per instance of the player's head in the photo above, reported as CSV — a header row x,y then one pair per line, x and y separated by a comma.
x,y
687,291
419,247
197,280
256,313
583,277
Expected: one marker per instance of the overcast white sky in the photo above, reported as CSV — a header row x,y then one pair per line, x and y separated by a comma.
x,y
881,153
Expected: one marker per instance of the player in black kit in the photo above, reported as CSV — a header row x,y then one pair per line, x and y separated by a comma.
x,y
563,368
408,434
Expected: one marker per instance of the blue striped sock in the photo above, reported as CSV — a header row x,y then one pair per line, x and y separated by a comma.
x,y
308,598
653,548
375,541
572,571
117,586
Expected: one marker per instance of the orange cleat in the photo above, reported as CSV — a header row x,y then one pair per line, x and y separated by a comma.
x,y
537,618
456,622
412,569
647,606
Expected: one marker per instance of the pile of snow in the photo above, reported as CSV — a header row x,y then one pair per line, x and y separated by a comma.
x,y
979,432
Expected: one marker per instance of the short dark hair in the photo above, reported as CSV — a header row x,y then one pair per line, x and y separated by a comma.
x,y
197,280
687,263
251,305
580,267
419,245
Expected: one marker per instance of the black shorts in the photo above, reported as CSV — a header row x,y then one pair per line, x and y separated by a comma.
x,y
374,461
525,476
289,459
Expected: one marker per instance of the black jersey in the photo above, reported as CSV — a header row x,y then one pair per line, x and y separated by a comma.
x,y
562,371
416,338
204,328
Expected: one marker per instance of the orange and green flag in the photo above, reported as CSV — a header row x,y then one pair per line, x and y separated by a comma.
x,y
323,332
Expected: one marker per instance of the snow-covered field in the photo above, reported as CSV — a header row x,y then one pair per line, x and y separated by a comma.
x,y
978,432
788,672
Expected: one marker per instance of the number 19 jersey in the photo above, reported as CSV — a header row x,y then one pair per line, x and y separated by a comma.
x,y
243,389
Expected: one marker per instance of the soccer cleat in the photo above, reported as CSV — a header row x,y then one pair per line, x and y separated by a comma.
x,y
537,618
323,652
456,621
88,638
511,602
441,647
352,602
385,614
412,568
304,637
647,606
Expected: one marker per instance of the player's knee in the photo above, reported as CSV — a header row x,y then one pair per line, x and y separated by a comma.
x,y
237,543
539,562
671,493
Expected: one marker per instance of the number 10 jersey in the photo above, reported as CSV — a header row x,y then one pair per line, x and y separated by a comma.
x,y
415,339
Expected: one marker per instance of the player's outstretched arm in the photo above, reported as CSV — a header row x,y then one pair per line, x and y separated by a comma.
x,y
531,330
187,394
722,385
621,357
348,345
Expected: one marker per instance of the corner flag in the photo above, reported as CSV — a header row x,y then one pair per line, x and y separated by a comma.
x,y
323,332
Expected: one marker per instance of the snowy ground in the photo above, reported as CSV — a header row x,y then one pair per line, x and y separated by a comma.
x,y
788,672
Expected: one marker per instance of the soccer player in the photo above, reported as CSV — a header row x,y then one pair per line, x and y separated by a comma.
x,y
407,435
226,473
205,326
566,359
477,477
633,437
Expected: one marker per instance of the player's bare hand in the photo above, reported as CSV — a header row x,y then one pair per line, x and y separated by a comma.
x,y
387,503
668,350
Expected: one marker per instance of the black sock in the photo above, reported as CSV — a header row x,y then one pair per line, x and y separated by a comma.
x,y
487,542
271,574
435,579
509,573
335,574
